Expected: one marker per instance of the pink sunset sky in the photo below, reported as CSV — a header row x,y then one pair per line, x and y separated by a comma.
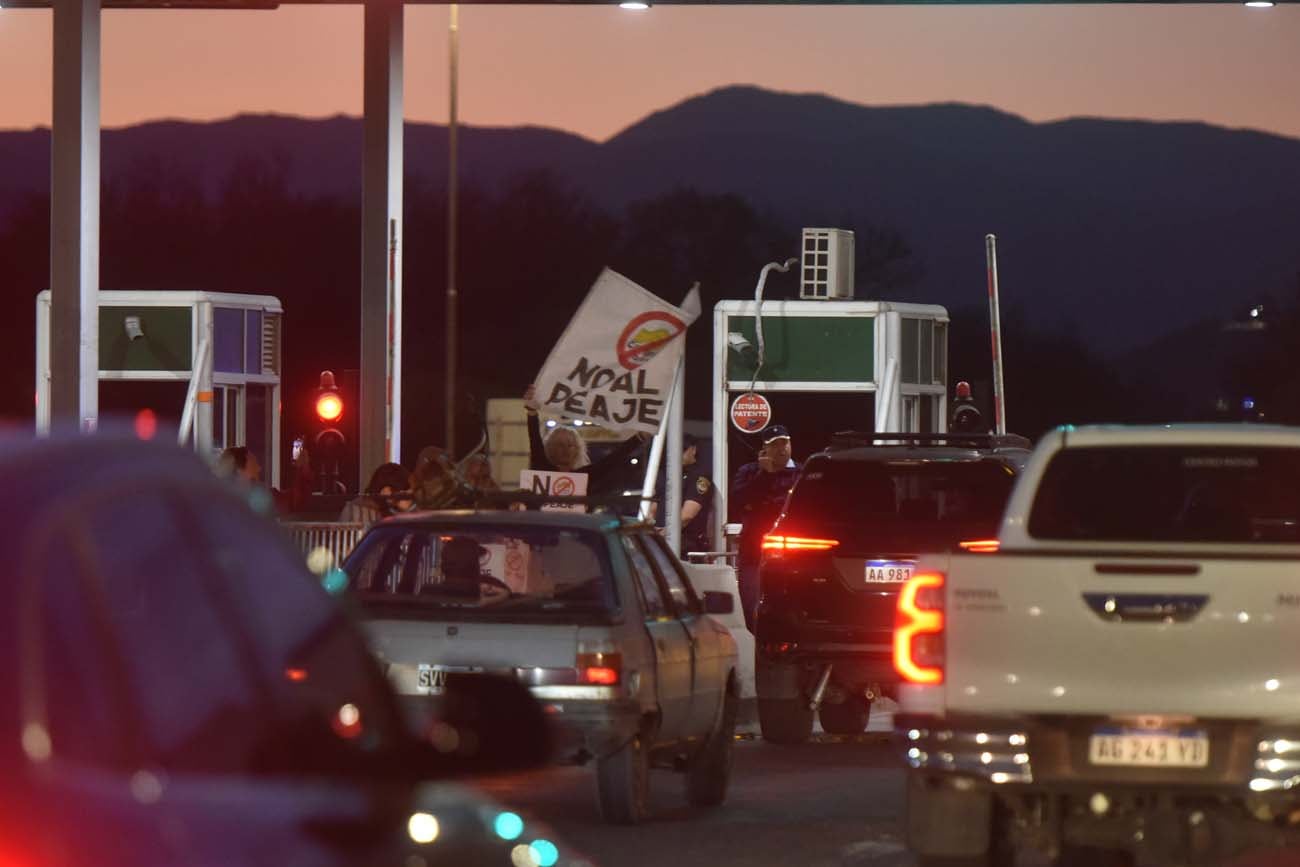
x,y
594,70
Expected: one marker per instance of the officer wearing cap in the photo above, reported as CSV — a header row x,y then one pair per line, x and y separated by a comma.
x,y
757,497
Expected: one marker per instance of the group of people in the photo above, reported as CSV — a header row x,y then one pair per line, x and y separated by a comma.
x,y
435,483
242,465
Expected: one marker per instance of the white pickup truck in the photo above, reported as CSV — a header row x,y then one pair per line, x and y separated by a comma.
x,y
1120,680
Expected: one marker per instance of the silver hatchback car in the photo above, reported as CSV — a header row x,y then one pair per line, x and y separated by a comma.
x,y
594,613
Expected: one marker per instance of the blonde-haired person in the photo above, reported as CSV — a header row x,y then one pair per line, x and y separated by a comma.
x,y
564,450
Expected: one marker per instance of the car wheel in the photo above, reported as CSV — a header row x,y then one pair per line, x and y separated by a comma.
x,y
623,783
849,717
710,770
785,720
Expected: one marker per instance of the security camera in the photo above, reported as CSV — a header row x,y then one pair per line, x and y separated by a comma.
x,y
738,342
133,329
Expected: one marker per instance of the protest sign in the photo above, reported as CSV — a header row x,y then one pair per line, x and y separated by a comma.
x,y
613,365
552,483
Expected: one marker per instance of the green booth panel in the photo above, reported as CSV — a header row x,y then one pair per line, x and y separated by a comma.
x,y
808,348
165,344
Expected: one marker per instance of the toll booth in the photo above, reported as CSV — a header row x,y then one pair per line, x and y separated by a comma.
x,y
205,365
827,365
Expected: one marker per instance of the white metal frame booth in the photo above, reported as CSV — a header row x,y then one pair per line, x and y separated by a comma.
x,y
891,353
226,346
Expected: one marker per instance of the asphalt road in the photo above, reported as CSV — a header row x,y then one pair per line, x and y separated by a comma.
x,y
823,804
830,803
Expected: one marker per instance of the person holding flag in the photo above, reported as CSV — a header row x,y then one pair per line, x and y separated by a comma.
x,y
564,450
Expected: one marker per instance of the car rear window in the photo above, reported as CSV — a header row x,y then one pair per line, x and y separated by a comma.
x,y
934,501
1170,494
494,569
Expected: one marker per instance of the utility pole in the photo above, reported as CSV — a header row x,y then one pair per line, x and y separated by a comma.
x,y
450,387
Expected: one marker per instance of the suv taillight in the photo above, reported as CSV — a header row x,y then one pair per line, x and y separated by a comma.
x,y
918,629
777,544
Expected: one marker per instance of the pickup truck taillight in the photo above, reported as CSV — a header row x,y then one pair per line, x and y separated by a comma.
x,y
918,629
777,544
981,546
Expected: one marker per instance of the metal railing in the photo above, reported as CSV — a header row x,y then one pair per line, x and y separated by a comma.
x,y
337,539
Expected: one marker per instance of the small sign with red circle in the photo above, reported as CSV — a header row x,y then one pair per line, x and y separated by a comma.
x,y
750,412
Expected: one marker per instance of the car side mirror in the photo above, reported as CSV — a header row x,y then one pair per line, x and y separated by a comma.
x,y
484,725
718,603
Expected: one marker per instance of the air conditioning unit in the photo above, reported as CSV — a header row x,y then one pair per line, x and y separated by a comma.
x,y
827,264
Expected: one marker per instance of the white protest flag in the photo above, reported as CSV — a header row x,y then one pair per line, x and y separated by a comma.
x,y
613,366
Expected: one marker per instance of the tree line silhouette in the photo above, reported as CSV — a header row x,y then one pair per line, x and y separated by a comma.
x,y
530,249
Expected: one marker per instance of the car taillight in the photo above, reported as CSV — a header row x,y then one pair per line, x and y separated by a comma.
x,y
601,668
918,629
774,545
981,546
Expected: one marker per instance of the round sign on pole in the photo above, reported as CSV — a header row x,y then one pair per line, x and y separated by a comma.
x,y
751,412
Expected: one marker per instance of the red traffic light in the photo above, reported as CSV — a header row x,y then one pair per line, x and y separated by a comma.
x,y
329,407
329,404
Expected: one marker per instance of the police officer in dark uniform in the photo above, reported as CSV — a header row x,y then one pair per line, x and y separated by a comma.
x,y
697,499
758,494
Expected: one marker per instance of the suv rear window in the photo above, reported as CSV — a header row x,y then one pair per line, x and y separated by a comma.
x,y
1170,494
937,502
493,569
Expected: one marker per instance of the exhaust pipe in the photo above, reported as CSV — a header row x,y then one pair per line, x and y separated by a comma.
x,y
820,692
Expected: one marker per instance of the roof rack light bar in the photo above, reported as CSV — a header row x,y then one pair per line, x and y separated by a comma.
x,y
850,439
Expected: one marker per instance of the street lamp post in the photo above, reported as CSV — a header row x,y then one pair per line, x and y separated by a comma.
x,y
450,387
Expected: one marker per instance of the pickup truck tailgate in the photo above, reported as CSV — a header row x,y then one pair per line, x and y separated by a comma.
x,y
1087,634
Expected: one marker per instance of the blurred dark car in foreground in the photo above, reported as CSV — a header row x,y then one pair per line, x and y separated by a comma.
x,y
176,688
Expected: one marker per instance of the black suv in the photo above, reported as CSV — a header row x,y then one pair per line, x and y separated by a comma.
x,y
859,516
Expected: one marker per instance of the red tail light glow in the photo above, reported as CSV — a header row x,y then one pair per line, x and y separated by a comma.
x,y
918,630
600,669
774,544
981,546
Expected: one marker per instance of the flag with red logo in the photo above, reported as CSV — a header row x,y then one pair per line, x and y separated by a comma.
x,y
613,365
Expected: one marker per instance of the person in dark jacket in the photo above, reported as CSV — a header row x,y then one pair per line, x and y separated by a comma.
x,y
758,494
437,484
564,450
379,500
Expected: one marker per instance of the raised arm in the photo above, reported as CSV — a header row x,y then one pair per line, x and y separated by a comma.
x,y
536,448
